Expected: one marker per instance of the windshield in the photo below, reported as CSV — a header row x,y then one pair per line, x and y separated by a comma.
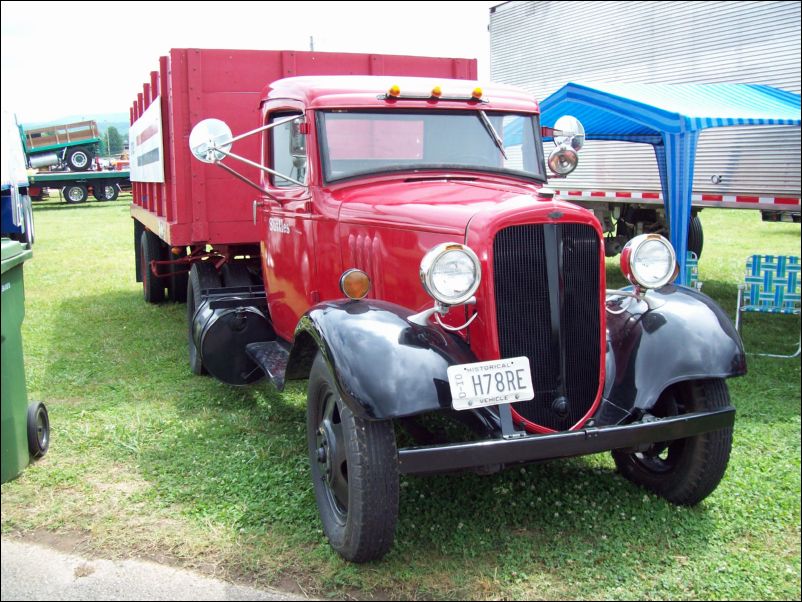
x,y
359,142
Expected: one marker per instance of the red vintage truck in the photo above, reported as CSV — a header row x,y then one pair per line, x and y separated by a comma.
x,y
412,266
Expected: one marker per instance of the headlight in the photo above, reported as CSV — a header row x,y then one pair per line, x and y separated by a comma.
x,y
450,273
648,260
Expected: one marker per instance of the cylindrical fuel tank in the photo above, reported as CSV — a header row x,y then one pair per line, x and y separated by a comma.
x,y
221,335
44,160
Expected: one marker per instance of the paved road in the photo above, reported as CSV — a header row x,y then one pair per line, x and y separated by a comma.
x,y
33,572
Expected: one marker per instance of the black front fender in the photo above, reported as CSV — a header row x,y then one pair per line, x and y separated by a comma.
x,y
677,334
384,366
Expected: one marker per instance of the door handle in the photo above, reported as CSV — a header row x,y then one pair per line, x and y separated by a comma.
x,y
256,204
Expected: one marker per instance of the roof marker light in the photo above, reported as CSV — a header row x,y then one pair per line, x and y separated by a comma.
x,y
477,93
394,91
437,92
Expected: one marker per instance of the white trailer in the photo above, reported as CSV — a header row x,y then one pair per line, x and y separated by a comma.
x,y
662,42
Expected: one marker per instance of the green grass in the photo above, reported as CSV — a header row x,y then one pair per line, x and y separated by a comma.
x,y
147,460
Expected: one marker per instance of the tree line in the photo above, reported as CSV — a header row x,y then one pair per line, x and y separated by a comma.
x,y
111,142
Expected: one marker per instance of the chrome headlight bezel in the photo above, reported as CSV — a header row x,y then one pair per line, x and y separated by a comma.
x,y
430,261
632,255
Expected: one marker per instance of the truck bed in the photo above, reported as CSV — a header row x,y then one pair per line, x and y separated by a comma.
x,y
59,136
57,179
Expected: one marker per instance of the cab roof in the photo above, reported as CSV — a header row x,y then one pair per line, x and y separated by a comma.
x,y
369,91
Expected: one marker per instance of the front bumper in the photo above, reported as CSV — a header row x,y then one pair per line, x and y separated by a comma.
x,y
531,448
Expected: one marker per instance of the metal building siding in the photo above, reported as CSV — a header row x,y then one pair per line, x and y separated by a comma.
x,y
541,45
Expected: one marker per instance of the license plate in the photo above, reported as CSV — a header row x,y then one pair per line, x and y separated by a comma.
x,y
490,383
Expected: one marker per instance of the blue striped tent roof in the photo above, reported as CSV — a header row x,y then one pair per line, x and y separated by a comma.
x,y
670,117
626,111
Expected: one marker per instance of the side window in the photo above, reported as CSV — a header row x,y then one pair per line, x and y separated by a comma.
x,y
288,151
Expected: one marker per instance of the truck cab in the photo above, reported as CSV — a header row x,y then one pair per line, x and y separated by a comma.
x,y
413,264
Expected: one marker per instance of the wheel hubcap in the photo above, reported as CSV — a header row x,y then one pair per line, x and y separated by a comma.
x,y
41,429
331,458
75,194
79,159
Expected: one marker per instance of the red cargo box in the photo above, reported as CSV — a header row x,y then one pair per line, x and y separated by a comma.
x,y
187,202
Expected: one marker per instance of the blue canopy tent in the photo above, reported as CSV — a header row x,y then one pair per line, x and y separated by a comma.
x,y
670,118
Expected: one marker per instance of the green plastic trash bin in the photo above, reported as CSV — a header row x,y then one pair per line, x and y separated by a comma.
x,y
25,428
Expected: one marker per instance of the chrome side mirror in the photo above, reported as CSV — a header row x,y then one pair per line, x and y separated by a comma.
x,y
568,131
569,137
209,140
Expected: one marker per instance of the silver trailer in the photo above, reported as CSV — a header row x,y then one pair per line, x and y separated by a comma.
x,y
539,46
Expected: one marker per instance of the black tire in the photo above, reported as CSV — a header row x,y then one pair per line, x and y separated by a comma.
x,y
78,159
75,193
105,191
27,221
203,275
235,274
354,471
684,471
38,430
151,248
696,237
179,279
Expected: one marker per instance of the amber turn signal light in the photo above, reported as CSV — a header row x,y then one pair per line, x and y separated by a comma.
x,y
355,284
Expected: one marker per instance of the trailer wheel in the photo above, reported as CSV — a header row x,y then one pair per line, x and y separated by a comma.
x,y
354,471
684,471
696,238
75,193
38,430
78,159
151,250
203,275
105,191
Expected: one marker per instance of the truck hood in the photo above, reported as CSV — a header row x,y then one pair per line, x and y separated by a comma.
x,y
432,204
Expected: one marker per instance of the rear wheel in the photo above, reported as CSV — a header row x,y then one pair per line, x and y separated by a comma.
x,y
235,274
203,275
151,249
178,279
75,193
684,471
106,192
354,471
696,238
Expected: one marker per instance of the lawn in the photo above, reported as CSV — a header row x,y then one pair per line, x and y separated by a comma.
x,y
147,460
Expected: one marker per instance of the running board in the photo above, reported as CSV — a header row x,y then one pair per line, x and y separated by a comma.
x,y
272,358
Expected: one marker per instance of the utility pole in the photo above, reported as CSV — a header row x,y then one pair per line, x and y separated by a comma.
x,y
312,43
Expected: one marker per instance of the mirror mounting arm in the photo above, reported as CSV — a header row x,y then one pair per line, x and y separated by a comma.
x,y
256,165
239,176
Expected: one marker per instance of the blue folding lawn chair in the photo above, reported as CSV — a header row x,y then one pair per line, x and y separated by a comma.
x,y
692,271
771,286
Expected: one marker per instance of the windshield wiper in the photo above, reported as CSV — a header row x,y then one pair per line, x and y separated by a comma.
x,y
493,134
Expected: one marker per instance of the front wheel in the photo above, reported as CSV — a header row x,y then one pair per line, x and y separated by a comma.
x,y
354,471
684,471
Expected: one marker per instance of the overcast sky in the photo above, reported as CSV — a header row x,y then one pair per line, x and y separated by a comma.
x,y
87,58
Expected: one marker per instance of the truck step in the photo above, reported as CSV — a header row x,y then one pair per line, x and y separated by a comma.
x,y
272,358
